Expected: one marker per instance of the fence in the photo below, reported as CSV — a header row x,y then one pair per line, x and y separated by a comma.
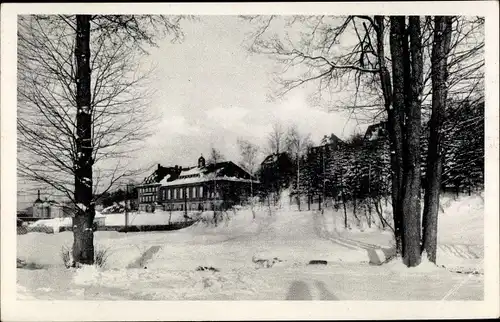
x,y
99,226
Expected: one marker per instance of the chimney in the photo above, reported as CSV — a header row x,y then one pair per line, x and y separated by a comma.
x,y
159,166
180,168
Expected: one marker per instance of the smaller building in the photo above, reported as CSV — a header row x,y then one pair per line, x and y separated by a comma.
x,y
43,209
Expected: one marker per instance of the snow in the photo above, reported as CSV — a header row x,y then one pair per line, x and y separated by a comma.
x,y
190,172
165,180
159,217
199,178
81,206
162,265
184,181
197,175
142,218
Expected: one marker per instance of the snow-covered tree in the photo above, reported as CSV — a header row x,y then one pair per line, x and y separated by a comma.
x,y
387,63
82,105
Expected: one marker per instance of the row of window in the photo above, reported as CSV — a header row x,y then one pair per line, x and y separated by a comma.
x,y
147,189
178,193
144,199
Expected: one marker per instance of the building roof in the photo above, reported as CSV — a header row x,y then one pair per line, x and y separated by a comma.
x,y
221,171
162,173
273,158
374,131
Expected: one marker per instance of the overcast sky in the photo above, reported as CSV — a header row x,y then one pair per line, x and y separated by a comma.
x,y
210,91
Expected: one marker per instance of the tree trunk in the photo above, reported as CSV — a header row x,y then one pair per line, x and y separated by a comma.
x,y
378,210
440,49
394,127
298,181
354,208
411,199
83,245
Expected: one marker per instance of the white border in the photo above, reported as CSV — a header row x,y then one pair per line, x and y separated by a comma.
x,y
256,310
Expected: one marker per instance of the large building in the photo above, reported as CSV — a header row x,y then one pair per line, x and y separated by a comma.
x,y
201,187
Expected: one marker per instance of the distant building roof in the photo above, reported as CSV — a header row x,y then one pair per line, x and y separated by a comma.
x,y
273,158
375,131
161,173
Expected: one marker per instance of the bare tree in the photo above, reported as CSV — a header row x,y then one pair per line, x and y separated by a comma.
x,y
347,57
82,105
249,153
276,138
440,52
215,156
276,142
297,145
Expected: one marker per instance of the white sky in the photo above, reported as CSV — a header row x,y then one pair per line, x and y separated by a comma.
x,y
211,91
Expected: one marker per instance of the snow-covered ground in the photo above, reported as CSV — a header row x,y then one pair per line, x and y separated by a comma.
x,y
162,265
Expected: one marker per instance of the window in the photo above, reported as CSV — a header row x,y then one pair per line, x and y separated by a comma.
x,y
187,193
175,193
169,194
194,192
201,191
181,193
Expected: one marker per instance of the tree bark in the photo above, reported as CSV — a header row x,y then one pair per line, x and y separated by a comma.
x,y
394,132
411,198
298,181
440,49
395,119
83,245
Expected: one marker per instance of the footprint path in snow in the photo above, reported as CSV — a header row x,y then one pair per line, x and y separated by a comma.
x,y
300,290
145,257
378,254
